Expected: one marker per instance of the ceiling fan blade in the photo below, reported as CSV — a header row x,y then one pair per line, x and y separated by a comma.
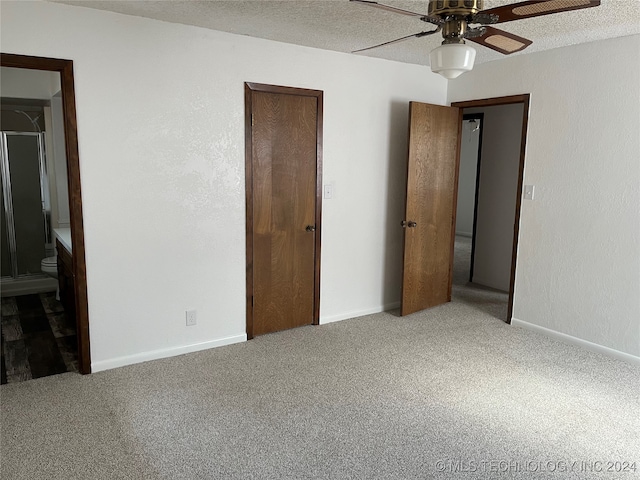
x,y
401,39
423,16
501,41
535,8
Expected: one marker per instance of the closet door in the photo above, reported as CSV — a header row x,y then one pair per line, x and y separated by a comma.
x,y
284,223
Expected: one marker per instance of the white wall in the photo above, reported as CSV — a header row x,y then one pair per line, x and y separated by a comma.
x,y
467,179
56,157
578,269
60,159
160,112
22,83
497,194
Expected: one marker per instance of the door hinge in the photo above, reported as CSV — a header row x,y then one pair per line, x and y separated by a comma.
x,y
253,120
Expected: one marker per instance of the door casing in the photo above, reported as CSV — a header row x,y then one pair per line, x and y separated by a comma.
x,y
318,94
65,69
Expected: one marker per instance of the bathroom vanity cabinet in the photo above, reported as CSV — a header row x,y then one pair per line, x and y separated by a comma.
x,y
65,280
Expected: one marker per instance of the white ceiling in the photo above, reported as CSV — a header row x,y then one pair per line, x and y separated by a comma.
x,y
344,26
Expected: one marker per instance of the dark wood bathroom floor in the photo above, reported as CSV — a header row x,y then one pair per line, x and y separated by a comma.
x,y
38,339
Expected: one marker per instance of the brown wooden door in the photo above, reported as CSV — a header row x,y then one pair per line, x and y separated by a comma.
x,y
432,182
284,151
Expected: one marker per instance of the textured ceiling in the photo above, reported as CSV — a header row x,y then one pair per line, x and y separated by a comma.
x,y
344,26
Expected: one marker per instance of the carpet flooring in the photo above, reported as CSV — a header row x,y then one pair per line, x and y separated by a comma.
x,y
452,392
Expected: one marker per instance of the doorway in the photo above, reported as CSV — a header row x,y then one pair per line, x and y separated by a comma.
x,y
478,184
77,268
466,208
283,142
498,192
431,201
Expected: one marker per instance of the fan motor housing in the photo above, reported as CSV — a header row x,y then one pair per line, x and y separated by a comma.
x,y
444,8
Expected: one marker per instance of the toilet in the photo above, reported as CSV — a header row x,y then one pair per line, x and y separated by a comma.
x,y
49,266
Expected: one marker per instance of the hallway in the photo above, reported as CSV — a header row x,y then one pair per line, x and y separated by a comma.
x,y
488,300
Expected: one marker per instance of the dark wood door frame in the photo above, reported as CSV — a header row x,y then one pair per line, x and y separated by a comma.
x,y
475,116
490,102
248,108
65,69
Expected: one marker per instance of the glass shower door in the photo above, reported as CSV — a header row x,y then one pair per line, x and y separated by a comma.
x,y
5,253
24,220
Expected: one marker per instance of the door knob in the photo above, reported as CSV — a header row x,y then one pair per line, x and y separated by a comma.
x,y
403,224
310,228
412,224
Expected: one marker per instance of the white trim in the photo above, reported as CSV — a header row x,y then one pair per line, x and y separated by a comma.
x,y
594,347
358,313
164,353
477,279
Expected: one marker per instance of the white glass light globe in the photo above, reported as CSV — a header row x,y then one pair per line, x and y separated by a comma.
x,y
452,60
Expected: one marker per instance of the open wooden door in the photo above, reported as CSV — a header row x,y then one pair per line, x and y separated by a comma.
x,y
432,184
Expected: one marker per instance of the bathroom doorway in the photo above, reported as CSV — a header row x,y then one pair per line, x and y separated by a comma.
x,y
38,334
53,217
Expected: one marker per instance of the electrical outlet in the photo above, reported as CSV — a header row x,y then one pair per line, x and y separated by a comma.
x,y
328,191
191,318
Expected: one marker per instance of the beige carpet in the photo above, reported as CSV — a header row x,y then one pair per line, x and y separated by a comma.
x,y
378,397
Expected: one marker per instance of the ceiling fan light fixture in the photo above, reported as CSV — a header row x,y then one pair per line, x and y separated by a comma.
x,y
452,59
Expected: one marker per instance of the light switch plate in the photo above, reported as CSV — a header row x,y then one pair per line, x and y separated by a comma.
x,y
528,192
328,191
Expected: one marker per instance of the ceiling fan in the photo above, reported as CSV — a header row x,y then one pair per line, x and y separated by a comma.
x,y
454,17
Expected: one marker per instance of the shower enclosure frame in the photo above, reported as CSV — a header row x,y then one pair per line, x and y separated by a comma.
x,y
65,69
8,195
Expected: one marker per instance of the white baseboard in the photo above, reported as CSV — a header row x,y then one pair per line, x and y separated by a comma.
x,y
164,353
478,280
563,337
358,313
